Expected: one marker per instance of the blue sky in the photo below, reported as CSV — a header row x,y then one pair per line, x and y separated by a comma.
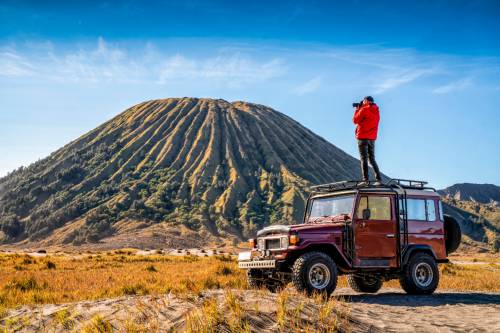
x,y
432,66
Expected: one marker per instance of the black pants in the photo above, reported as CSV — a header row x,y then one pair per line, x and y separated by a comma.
x,y
367,152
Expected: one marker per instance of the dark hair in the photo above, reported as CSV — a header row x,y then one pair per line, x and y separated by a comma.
x,y
369,99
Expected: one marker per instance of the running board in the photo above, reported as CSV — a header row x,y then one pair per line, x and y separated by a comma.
x,y
373,263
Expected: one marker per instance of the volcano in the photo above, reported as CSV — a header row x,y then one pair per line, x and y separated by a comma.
x,y
207,166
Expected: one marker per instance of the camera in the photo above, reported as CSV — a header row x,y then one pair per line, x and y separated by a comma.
x,y
357,105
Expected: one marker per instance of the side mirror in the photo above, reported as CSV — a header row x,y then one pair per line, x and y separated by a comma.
x,y
366,214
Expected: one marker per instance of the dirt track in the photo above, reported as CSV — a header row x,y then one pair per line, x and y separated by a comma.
x,y
390,310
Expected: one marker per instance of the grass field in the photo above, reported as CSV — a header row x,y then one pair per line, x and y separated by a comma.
x,y
57,279
26,280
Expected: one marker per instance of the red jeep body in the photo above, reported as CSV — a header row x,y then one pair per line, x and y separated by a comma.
x,y
372,233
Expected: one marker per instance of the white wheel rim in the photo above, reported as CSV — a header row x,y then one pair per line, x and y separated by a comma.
x,y
319,276
423,274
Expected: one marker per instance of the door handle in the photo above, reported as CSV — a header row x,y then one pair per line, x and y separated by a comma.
x,y
389,235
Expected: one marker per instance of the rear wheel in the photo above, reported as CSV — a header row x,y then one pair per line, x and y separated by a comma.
x,y
420,276
314,272
365,283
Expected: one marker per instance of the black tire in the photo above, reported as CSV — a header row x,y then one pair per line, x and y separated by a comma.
x,y
314,272
254,278
420,276
364,284
452,234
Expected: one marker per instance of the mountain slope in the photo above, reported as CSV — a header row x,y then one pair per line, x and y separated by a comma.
x,y
482,193
480,223
210,165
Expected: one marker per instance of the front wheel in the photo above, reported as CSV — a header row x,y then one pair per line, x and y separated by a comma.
x,y
364,284
420,276
314,272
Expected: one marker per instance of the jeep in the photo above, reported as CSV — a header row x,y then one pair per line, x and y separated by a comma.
x,y
371,233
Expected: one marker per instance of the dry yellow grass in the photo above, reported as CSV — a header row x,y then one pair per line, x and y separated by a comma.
x,y
56,279
26,280
289,312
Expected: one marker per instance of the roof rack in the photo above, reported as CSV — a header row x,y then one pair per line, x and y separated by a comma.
x,y
346,184
408,183
358,184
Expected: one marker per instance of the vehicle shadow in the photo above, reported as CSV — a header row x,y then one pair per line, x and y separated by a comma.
x,y
436,299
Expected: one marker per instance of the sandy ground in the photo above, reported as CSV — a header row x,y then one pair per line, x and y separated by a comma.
x,y
387,311
444,311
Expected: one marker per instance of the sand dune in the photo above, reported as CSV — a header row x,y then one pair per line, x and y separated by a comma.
x,y
388,311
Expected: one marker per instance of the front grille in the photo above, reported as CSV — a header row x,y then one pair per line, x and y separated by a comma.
x,y
273,244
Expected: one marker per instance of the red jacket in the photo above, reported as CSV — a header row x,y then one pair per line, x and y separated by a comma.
x,y
366,119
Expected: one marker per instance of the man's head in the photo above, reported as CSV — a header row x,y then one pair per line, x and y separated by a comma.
x,y
368,100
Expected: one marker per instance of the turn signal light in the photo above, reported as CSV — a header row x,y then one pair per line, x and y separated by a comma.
x,y
252,242
294,239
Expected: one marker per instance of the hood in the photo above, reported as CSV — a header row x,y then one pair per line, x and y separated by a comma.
x,y
274,230
307,227
318,227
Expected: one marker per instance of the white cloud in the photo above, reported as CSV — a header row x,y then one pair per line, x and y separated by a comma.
x,y
453,86
104,62
401,78
209,64
12,64
308,86
230,68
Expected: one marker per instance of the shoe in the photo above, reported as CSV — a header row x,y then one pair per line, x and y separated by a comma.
x,y
363,183
377,183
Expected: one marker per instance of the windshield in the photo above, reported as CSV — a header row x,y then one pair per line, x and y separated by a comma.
x,y
331,206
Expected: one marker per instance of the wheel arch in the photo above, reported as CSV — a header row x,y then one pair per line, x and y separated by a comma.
x,y
411,250
329,249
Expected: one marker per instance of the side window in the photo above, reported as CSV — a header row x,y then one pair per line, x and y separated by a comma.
x,y
431,210
441,216
380,207
401,209
421,209
416,209
363,204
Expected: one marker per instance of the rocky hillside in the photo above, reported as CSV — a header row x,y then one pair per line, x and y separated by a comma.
x,y
214,167
480,223
481,193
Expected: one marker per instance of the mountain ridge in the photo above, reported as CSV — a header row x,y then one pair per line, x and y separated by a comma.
x,y
207,164
481,193
182,172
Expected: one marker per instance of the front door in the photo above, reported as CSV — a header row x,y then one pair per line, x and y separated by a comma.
x,y
375,231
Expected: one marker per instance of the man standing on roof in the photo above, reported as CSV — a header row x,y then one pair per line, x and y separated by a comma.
x,y
366,117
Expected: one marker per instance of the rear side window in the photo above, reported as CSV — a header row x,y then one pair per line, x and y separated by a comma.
x,y
420,209
431,210
441,213
380,207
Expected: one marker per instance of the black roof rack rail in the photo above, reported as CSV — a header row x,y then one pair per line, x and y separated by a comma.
x,y
407,182
358,184
346,184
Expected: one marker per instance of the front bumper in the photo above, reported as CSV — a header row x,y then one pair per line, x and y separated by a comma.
x,y
254,259
257,264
